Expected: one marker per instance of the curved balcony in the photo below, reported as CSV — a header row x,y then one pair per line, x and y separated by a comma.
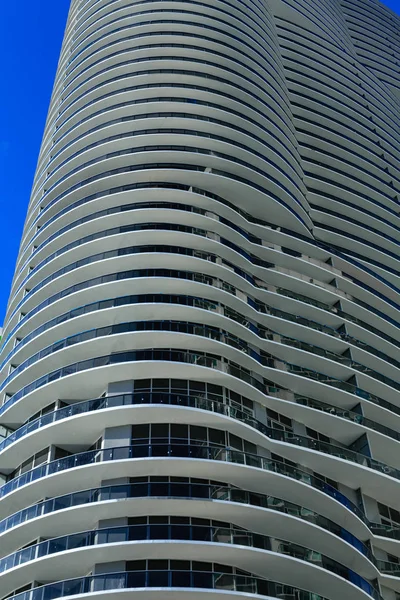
x,y
388,531
189,357
216,306
348,362
133,399
104,255
182,299
349,415
180,490
303,441
214,14
189,275
220,56
341,385
287,292
212,306
239,172
294,368
132,580
213,405
122,80
213,361
269,160
341,313
240,73
388,568
95,136
106,17
180,451
94,125
197,329
197,533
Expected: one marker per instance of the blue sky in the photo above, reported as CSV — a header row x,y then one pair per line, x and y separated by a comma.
x,y
30,39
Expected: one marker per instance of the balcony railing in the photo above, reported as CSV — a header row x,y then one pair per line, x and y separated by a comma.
x,y
178,450
191,533
245,584
181,490
349,415
203,404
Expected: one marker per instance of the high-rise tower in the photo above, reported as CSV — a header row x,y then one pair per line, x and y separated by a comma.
x,y
200,377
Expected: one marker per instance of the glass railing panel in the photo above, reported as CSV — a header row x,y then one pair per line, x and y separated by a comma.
x,y
203,533
389,568
248,584
347,414
178,450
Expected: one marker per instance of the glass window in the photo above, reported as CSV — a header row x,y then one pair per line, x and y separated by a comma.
x,y
198,433
136,565
161,384
216,437
179,431
278,421
140,432
41,457
179,384
390,516
249,447
197,386
235,441
158,565
180,565
142,384
160,431
316,435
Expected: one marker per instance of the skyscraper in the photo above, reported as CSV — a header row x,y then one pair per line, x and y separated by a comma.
x,y
200,378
